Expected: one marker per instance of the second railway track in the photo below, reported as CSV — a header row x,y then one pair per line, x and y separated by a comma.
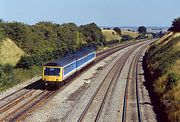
x,y
131,105
92,111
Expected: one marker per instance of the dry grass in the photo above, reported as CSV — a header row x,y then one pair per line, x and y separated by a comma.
x,y
160,84
111,35
10,52
164,38
168,37
176,67
130,33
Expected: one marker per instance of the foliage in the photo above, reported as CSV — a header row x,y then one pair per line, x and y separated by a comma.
x,y
48,36
126,38
44,42
161,34
118,30
163,71
171,80
8,69
25,62
175,25
93,34
7,77
142,30
141,36
2,34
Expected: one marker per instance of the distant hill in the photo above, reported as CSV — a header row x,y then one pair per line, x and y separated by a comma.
x,y
163,67
9,52
111,35
154,29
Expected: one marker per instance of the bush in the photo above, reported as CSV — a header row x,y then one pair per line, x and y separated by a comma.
x,y
7,77
25,62
126,38
141,36
118,30
8,68
175,25
171,80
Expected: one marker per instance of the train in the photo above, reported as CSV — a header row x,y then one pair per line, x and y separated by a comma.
x,y
57,71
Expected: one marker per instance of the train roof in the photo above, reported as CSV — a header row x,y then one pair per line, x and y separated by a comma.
x,y
68,59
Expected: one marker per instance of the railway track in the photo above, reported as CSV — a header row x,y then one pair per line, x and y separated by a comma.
x,y
131,105
17,105
92,111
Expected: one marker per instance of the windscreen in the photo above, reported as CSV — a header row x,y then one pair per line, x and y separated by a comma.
x,y
52,71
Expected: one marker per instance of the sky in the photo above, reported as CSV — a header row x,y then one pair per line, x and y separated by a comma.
x,y
102,12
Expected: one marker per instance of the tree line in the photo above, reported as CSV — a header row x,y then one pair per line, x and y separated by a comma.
x,y
47,41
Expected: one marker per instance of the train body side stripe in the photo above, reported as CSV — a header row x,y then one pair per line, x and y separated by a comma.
x,y
77,68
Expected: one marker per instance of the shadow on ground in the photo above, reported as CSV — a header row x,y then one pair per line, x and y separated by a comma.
x,y
39,85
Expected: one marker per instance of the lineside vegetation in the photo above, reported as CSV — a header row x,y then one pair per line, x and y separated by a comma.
x,y
163,67
41,43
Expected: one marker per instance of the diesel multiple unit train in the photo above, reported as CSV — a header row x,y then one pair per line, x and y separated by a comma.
x,y
57,71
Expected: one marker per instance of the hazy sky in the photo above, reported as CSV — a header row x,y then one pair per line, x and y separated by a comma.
x,y
102,12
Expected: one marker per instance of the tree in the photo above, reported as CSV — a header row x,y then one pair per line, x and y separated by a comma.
x,y
142,30
118,30
126,38
2,33
8,69
161,34
93,34
175,25
25,62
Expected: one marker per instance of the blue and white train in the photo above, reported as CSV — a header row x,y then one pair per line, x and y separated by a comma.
x,y
59,70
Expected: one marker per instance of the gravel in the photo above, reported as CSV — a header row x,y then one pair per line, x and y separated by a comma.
x,y
148,114
18,87
114,107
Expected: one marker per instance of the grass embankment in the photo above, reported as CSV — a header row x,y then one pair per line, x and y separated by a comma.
x,y
10,53
163,66
111,35
130,33
41,43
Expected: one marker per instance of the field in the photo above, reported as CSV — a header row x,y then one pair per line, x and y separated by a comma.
x,y
111,35
9,52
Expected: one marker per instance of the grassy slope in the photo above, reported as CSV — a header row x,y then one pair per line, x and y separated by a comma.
x,y
110,36
163,63
130,33
9,52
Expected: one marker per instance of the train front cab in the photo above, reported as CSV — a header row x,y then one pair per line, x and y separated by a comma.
x,y
52,75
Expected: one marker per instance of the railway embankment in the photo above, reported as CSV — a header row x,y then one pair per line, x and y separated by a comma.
x,y
162,64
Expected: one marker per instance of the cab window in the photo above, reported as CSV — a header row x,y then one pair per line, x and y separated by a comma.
x,y
52,71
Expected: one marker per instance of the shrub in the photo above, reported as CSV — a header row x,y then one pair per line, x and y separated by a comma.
x,y
7,77
175,25
118,30
8,68
126,38
25,62
171,80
